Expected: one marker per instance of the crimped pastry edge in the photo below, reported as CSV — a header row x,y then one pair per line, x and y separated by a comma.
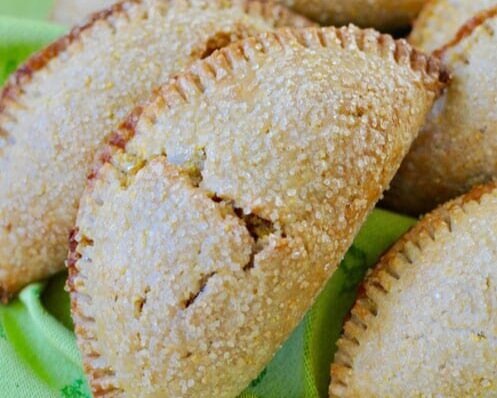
x,y
14,89
395,197
366,40
228,59
383,275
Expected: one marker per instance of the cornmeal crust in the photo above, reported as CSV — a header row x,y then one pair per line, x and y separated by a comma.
x,y
380,14
457,147
70,12
425,324
440,20
223,205
56,109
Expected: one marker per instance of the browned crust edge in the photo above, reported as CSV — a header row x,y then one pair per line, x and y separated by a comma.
x,y
384,275
466,30
403,53
434,77
38,61
14,88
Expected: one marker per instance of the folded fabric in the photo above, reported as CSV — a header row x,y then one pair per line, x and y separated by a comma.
x,y
38,353
39,357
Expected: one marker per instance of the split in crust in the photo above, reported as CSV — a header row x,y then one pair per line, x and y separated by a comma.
x,y
440,20
57,108
385,15
224,205
425,321
457,147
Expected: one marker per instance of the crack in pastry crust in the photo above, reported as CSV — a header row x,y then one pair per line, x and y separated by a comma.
x,y
169,155
56,109
456,148
424,364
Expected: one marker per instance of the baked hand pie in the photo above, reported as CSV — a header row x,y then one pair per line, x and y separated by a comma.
x,y
440,20
57,108
457,147
70,12
424,323
381,14
225,203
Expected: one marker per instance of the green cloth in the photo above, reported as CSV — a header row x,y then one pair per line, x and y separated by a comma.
x,y
26,9
39,358
19,38
38,353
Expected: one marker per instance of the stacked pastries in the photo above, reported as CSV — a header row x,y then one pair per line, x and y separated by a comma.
x,y
215,213
457,147
381,14
227,202
424,321
57,109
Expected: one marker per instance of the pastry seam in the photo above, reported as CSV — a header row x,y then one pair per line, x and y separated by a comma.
x,y
424,233
208,71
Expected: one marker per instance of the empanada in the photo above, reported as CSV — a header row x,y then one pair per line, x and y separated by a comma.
x,y
57,108
457,148
424,323
440,20
226,202
70,12
381,14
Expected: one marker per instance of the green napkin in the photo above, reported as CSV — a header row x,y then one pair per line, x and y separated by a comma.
x,y
21,37
38,354
39,357
26,9
302,366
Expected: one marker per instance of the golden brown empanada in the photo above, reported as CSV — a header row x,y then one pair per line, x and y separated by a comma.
x,y
457,147
55,111
70,12
424,323
380,14
224,205
440,20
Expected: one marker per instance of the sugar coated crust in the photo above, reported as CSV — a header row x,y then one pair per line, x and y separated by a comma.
x,y
440,20
223,205
380,14
58,107
70,12
424,324
457,147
